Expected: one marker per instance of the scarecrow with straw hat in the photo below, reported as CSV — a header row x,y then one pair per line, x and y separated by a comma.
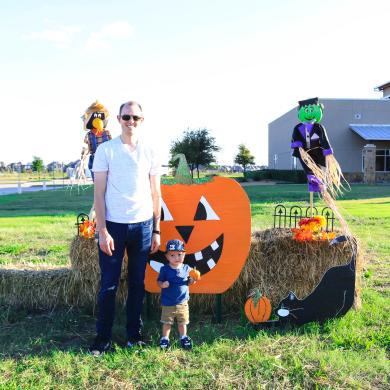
x,y
95,121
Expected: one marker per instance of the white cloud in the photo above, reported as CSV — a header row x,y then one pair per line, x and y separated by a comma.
x,y
63,36
60,37
112,31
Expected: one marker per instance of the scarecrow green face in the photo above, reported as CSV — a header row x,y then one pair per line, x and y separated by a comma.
x,y
310,113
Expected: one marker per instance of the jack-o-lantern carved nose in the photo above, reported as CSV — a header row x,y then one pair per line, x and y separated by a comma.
x,y
185,232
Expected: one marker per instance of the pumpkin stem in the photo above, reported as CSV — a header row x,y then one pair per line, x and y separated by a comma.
x,y
183,174
256,295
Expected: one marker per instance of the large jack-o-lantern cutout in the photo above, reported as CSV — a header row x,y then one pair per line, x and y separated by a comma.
x,y
214,221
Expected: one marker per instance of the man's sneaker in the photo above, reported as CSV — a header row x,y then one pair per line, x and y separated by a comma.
x,y
164,343
100,346
186,342
136,341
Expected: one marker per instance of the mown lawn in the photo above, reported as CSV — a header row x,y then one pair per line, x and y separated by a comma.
x,y
48,350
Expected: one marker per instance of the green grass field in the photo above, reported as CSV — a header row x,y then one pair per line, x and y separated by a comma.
x,y
41,350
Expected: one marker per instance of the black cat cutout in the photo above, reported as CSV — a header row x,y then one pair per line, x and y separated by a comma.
x,y
332,297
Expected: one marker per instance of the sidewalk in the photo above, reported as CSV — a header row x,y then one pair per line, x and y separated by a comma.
x,y
7,189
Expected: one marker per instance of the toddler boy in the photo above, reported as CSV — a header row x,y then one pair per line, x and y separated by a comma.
x,y
174,281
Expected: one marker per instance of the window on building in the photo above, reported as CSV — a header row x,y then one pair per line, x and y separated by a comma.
x,y
382,162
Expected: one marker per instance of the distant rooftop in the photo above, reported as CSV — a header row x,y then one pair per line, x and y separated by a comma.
x,y
382,87
372,132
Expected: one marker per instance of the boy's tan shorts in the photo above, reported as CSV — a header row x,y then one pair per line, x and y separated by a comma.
x,y
180,312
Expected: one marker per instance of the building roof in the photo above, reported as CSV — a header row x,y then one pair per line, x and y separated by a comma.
x,y
372,132
382,87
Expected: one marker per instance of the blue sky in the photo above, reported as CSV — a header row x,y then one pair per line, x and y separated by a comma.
x,y
230,66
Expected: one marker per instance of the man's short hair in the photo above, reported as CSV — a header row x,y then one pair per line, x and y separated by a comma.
x,y
130,103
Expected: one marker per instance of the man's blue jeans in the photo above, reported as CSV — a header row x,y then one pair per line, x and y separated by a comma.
x,y
136,239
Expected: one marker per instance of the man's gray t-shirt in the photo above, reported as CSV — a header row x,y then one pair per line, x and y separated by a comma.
x,y
128,194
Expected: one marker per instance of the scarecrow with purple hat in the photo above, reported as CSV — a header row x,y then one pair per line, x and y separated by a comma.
x,y
311,146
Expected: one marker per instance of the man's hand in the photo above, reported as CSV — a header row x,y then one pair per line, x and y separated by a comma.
x,y
164,284
191,281
106,242
155,243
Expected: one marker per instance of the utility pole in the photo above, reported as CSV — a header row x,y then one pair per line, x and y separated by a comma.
x,y
19,183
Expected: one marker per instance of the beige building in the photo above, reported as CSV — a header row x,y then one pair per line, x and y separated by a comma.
x,y
351,124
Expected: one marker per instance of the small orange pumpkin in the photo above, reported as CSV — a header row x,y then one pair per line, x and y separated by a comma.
x,y
257,308
194,274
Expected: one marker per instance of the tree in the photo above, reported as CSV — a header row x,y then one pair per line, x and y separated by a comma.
x,y
198,147
37,165
244,157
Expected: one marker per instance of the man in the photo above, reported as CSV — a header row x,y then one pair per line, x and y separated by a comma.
x,y
128,205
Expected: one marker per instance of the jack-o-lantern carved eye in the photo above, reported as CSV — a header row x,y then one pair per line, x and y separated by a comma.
x,y
165,213
204,211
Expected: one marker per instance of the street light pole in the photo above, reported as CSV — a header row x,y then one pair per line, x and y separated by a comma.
x,y
19,183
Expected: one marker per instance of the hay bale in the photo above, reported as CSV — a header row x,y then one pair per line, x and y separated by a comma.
x,y
84,260
276,265
36,288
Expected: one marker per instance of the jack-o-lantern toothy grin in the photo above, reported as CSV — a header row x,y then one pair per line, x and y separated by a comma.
x,y
204,260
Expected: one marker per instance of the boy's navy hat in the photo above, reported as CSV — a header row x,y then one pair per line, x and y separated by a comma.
x,y
175,245
303,103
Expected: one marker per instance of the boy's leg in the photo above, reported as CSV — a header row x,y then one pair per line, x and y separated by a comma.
x,y
110,268
139,236
183,318
182,328
166,330
182,322
167,318
164,341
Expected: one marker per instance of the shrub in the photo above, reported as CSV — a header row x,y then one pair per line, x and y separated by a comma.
x,y
293,176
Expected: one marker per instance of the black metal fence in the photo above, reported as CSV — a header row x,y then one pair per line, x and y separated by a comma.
x,y
289,217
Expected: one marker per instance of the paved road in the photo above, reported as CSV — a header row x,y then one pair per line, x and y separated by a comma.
x,y
6,189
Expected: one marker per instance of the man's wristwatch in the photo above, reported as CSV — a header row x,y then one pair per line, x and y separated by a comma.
x,y
156,231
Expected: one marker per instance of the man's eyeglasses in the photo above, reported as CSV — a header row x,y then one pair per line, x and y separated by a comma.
x,y
127,117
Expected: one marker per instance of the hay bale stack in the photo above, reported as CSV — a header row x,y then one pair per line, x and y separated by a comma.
x,y
36,288
84,261
276,265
